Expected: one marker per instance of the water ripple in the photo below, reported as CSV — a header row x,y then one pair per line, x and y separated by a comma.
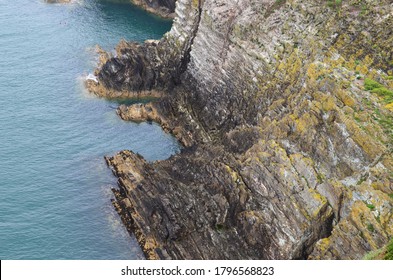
x,y
54,185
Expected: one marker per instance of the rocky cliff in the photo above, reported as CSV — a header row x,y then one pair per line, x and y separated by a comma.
x,y
284,109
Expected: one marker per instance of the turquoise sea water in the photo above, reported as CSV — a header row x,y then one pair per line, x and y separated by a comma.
x,y
54,184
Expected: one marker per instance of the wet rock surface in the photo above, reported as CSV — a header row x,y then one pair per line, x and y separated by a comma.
x,y
163,8
153,112
290,151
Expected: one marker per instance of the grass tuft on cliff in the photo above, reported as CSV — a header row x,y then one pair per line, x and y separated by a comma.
x,y
379,89
370,84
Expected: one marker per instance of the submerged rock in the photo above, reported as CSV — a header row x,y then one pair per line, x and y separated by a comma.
x,y
290,154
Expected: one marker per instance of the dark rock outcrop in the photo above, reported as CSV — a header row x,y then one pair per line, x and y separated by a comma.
x,y
164,8
289,152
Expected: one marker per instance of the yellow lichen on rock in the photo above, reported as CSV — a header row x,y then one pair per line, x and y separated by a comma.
x,y
346,98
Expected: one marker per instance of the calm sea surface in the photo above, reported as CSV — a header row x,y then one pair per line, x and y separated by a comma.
x,y
54,184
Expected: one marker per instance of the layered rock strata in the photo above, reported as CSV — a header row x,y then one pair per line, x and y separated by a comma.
x,y
287,106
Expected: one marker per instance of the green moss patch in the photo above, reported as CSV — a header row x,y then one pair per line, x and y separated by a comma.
x,y
379,89
371,84
385,93
370,206
370,227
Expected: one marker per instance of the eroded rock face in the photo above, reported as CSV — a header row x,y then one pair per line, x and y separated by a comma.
x,y
153,66
291,155
153,112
